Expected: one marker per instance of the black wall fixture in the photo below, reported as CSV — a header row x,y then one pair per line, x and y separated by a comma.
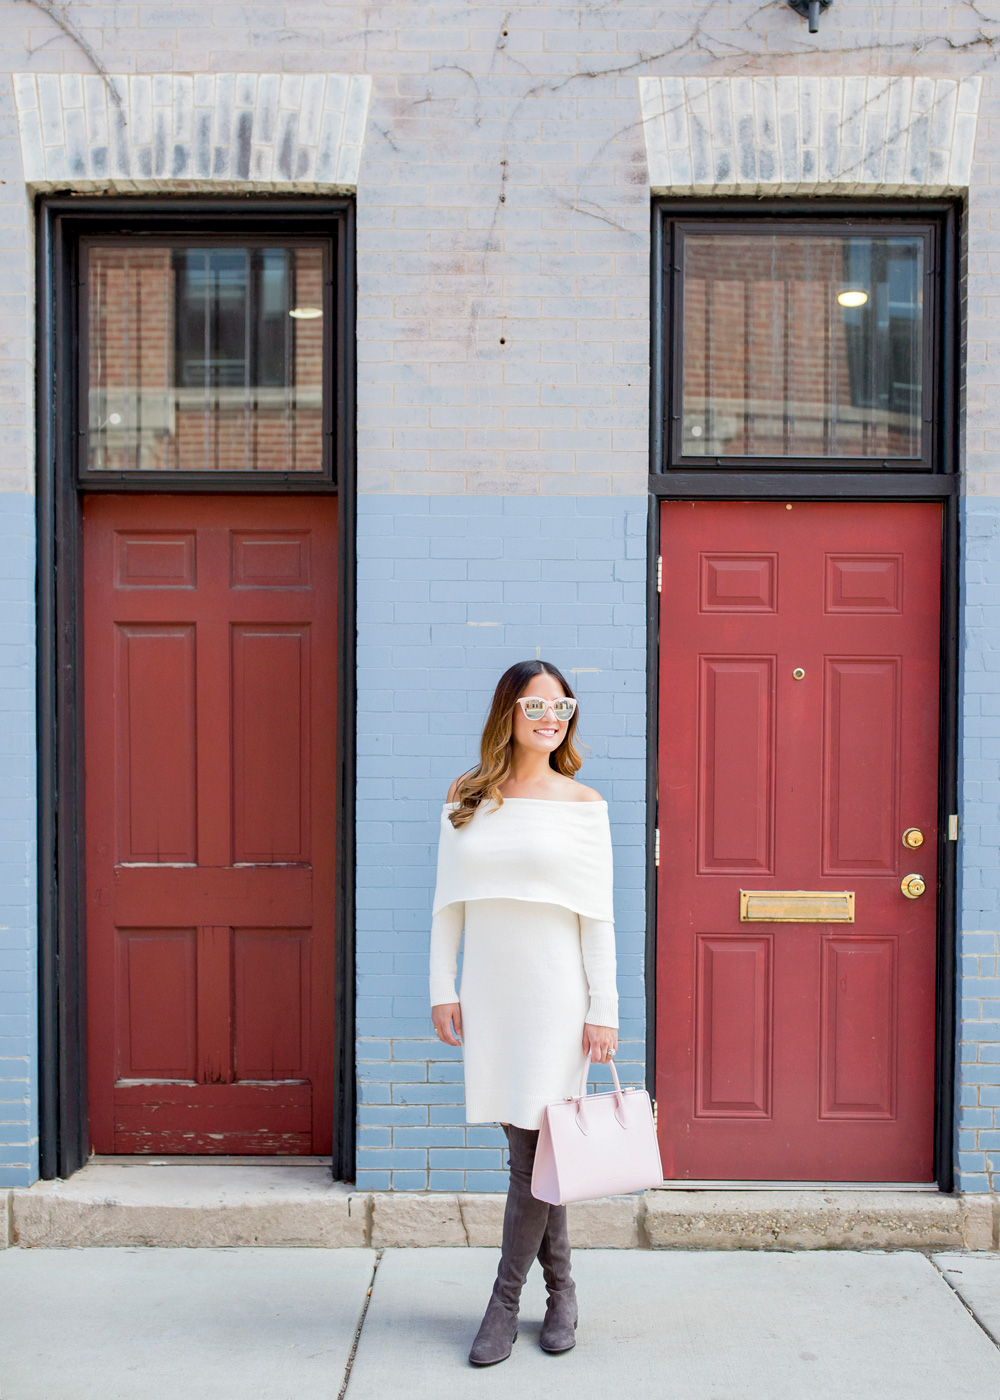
x,y
810,10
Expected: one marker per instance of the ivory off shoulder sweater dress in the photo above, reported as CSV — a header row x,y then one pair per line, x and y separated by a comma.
x,y
530,881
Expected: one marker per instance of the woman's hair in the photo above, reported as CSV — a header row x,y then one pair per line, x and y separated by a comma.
x,y
496,747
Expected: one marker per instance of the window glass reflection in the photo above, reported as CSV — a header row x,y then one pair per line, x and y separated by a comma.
x,y
799,345
205,359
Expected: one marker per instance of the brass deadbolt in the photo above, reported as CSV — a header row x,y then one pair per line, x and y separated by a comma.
x,y
912,886
913,837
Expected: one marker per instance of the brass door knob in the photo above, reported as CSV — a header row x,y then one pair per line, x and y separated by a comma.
x,y
913,837
912,886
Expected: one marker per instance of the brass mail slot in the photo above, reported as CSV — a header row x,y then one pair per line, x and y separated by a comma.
x,y
797,906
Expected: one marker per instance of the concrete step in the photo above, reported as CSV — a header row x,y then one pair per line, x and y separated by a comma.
x,y
196,1205
201,1205
850,1219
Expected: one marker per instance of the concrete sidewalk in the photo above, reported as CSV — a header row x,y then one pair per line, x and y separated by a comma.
x,y
217,1324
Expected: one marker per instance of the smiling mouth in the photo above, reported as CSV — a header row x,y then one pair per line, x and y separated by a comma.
x,y
546,731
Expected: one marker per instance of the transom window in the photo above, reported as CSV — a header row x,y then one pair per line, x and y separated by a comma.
x,y
205,356
801,346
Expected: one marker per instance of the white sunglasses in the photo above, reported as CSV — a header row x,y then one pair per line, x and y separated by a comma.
x,y
535,706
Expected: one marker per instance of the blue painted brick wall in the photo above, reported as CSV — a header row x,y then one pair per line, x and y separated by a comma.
x,y
451,591
18,1001
977,1142
563,575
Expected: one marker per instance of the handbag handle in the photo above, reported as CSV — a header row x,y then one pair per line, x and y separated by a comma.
x,y
583,1096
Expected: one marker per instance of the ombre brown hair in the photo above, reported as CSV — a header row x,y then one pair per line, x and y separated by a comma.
x,y
496,747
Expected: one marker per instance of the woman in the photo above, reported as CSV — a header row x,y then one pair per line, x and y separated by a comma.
x,y
524,867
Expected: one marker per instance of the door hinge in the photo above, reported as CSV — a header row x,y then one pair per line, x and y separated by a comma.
x,y
656,846
654,1115
953,827
659,573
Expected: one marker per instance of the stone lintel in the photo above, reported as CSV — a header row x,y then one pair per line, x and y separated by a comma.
x,y
188,133
809,135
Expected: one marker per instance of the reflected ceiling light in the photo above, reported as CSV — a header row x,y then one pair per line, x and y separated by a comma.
x,y
845,298
306,313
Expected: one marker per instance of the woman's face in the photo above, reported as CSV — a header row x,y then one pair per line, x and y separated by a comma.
x,y
546,734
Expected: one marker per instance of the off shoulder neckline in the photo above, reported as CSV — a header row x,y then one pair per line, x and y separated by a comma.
x,y
554,801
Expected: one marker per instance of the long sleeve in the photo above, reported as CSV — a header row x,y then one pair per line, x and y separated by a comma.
x,y
446,935
597,937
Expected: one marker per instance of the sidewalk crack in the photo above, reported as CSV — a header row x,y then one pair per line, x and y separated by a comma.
x,y
461,1216
965,1304
361,1323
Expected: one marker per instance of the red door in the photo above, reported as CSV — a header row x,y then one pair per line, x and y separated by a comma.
x,y
209,680
798,723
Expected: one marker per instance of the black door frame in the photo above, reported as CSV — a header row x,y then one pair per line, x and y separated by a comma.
x,y
940,484
60,221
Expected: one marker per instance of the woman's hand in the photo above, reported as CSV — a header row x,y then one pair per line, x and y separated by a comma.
x,y
599,1040
443,1015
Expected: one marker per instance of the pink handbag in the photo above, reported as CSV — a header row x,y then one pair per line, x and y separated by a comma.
x,y
596,1145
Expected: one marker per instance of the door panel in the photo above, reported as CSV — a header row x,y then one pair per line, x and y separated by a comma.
x,y
210,681
861,765
733,1025
799,656
736,763
155,733
271,724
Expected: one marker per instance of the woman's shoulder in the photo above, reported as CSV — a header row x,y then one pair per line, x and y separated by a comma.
x,y
583,793
570,791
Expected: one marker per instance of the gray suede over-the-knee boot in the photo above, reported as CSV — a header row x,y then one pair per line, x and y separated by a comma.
x,y
559,1327
524,1221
